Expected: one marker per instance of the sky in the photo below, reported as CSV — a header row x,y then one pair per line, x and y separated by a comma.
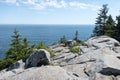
x,y
54,11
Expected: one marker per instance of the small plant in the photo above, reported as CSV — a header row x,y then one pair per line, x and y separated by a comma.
x,y
5,63
52,54
54,64
63,40
74,49
41,45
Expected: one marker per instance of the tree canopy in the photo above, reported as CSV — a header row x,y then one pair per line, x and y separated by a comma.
x,y
106,25
100,21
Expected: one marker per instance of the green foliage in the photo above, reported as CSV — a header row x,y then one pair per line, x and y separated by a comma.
x,y
52,54
27,49
74,50
41,45
105,25
109,26
75,47
5,63
15,46
117,28
76,44
76,36
100,21
63,40
19,49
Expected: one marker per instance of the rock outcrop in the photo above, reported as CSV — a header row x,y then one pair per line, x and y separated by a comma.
x,y
40,57
17,65
44,73
98,59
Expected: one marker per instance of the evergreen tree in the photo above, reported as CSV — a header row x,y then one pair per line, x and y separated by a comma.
x,y
76,36
110,26
117,28
100,21
15,46
26,48
19,48
63,39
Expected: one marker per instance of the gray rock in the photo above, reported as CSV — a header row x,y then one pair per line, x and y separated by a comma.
x,y
97,57
40,57
99,60
70,43
17,65
44,73
118,77
102,41
78,70
116,49
103,77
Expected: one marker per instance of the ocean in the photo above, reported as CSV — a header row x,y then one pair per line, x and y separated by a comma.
x,y
48,34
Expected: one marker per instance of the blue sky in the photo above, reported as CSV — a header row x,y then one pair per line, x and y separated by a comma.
x,y
54,11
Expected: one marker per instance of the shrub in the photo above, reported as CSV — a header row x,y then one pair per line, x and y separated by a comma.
x,y
41,45
74,49
63,40
6,63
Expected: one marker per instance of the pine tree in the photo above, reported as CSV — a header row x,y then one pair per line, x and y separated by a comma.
x,y
76,36
110,26
15,46
100,21
19,48
117,29
27,49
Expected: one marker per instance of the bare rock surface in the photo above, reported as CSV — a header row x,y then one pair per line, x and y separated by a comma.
x,y
98,59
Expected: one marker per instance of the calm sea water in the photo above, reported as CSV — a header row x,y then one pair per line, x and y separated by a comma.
x,y
46,33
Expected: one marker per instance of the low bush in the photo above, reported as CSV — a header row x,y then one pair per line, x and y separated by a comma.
x,y
41,45
74,50
5,63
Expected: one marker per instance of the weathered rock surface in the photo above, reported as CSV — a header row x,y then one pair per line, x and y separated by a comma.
x,y
99,59
100,55
44,73
40,57
17,65
102,41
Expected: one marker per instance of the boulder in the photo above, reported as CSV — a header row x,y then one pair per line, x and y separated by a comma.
x,y
102,41
17,65
70,43
40,57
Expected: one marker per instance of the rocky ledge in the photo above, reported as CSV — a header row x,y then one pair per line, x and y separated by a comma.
x,y
98,59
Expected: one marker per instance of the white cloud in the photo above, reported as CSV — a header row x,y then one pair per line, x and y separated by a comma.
x,y
49,3
83,5
28,2
43,4
9,1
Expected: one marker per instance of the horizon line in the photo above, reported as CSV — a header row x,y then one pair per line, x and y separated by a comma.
x,y
47,24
